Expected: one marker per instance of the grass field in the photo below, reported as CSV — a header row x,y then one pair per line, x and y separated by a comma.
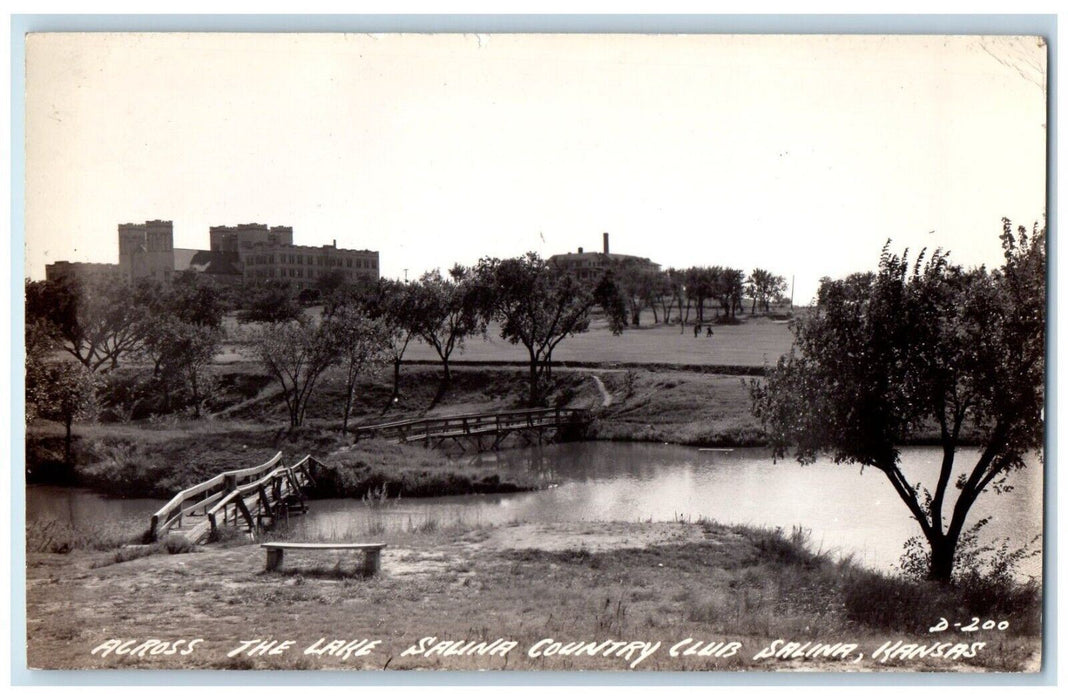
x,y
756,342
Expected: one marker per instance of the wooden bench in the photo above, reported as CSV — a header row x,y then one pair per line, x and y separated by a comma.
x,y
372,553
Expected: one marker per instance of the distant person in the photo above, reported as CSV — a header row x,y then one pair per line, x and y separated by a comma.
x,y
708,333
696,330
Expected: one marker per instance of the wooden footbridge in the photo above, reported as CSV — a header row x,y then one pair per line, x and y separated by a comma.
x,y
245,498
482,431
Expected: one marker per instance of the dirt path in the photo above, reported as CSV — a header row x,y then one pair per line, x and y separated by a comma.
x,y
268,392
606,398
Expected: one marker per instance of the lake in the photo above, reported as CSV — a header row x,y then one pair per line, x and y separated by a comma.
x,y
846,510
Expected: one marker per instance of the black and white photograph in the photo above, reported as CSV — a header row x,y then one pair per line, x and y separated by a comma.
x,y
535,352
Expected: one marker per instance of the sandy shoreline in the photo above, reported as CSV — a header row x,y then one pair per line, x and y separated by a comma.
x,y
570,582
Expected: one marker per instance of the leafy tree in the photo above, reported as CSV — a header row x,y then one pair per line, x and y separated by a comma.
x,y
336,288
700,285
296,353
764,287
61,391
193,301
538,306
660,296
362,345
607,295
96,321
40,346
727,286
888,353
639,287
269,301
182,351
676,282
181,332
392,304
445,311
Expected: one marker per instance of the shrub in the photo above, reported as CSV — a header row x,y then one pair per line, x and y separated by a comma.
x,y
58,537
893,602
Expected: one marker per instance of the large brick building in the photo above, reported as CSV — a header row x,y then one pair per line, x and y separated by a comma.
x,y
269,253
589,267
82,271
242,252
146,250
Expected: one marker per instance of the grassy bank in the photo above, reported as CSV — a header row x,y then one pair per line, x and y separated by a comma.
x,y
140,461
158,455
569,582
686,408
380,470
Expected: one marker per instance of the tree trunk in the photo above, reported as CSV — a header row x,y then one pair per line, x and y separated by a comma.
x,y
533,380
67,459
396,379
943,553
348,410
294,411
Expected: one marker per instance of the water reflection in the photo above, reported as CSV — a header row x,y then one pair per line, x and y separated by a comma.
x,y
845,509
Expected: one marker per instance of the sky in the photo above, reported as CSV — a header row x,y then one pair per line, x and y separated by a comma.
x,y
798,154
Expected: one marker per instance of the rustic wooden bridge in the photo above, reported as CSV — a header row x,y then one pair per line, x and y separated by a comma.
x,y
482,431
246,498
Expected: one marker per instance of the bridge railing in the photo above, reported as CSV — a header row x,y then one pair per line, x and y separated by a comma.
x,y
467,424
268,491
203,496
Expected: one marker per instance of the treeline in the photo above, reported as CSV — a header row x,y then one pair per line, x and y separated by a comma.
x,y
79,331
678,291
176,329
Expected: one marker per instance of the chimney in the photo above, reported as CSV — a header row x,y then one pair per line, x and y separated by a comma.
x,y
580,250
606,244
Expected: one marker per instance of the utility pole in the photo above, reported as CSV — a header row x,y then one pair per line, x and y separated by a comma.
x,y
405,274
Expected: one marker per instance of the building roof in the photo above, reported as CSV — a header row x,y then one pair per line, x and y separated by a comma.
x,y
212,262
599,257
